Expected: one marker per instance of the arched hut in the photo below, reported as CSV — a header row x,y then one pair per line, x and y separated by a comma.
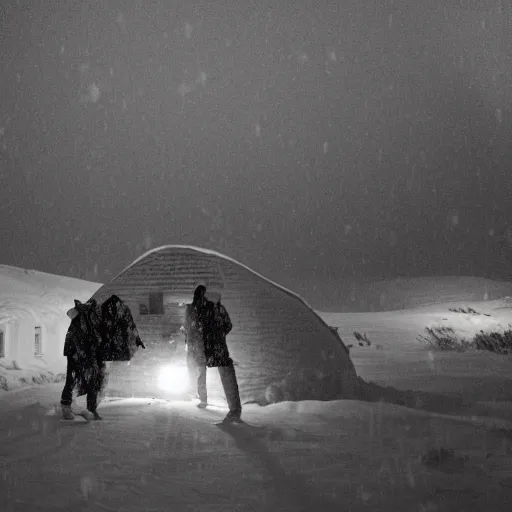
x,y
281,348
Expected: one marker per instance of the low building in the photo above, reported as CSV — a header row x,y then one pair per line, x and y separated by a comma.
x,y
33,320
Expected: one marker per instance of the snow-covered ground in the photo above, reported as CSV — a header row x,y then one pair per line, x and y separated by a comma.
x,y
151,455
13,377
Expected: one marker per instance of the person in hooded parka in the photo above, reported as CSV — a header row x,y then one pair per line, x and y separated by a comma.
x,y
96,335
85,374
119,332
217,325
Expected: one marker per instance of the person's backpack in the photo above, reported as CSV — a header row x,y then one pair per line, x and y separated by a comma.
x,y
119,332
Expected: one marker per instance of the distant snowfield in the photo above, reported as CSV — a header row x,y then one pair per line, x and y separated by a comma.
x,y
401,294
152,455
396,358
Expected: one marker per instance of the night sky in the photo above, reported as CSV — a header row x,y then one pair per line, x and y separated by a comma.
x,y
331,139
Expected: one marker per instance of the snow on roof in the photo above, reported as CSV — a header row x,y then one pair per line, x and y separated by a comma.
x,y
218,255
30,292
231,260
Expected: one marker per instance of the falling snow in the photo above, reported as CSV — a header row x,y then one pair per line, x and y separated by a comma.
x,y
94,93
184,89
188,30
357,155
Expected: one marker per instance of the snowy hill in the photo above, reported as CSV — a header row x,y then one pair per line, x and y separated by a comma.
x,y
396,357
397,294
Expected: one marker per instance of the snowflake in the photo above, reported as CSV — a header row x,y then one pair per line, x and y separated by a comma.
x,y
302,58
184,89
94,92
188,30
202,78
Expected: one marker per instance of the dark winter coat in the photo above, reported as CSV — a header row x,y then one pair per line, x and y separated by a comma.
x,y
118,330
83,345
217,326
194,332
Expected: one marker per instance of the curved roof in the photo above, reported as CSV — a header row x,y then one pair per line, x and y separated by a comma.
x,y
277,337
37,294
218,255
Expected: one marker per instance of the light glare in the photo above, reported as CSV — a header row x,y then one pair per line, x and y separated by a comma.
x,y
173,378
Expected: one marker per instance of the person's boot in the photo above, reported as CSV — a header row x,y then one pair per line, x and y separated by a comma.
x,y
233,417
202,404
92,404
96,416
67,413
93,415
230,385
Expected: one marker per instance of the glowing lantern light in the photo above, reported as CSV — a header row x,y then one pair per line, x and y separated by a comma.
x,y
174,379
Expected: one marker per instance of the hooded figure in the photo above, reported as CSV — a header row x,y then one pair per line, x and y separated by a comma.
x,y
217,328
194,332
96,334
83,349
217,325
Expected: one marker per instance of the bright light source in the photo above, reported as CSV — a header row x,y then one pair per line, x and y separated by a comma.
x,y
173,378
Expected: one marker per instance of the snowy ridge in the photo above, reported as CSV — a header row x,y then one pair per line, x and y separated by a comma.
x,y
401,293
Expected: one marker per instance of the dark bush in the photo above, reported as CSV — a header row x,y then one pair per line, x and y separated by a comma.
x,y
444,338
468,311
362,339
499,343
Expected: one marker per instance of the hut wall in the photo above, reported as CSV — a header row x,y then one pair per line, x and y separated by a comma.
x,y
277,341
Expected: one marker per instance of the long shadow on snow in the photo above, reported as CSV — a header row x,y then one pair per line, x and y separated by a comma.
x,y
291,486
421,400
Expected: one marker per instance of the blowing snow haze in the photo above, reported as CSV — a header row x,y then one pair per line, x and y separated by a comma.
x,y
306,138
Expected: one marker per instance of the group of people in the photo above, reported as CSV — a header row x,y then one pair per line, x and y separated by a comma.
x,y
97,334
206,326
107,332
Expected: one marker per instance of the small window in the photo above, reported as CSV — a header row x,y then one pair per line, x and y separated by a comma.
x,y
143,309
156,303
2,344
38,342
